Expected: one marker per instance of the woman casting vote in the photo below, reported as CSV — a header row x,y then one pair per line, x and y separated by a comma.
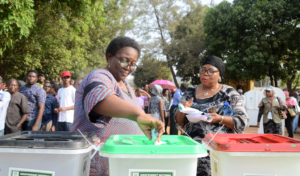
x,y
207,95
105,103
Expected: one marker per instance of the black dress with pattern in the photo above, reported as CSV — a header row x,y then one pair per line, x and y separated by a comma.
x,y
198,130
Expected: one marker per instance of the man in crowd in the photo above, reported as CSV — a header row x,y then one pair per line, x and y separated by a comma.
x,y
4,102
36,97
66,100
176,100
296,119
49,119
41,80
18,109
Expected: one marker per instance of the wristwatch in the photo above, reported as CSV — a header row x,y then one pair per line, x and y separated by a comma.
x,y
221,122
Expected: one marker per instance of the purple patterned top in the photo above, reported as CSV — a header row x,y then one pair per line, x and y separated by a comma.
x,y
34,94
95,87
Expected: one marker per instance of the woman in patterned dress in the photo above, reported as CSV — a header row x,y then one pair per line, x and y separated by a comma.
x,y
156,104
105,104
212,94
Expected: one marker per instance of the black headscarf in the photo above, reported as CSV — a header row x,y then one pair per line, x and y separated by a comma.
x,y
216,62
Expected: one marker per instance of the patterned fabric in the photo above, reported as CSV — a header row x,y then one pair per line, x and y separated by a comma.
x,y
104,126
272,128
198,130
154,106
34,94
166,106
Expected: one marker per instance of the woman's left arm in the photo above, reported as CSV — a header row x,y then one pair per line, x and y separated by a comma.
x,y
239,120
161,110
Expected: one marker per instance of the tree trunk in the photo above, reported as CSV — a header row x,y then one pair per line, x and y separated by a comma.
x,y
276,82
173,72
271,78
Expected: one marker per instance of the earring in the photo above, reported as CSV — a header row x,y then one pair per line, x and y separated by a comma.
x,y
220,79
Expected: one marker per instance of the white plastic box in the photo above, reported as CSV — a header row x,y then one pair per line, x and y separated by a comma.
x,y
138,156
254,155
42,158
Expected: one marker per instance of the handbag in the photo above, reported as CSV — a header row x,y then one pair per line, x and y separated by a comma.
x,y
292,112
281,113
297,110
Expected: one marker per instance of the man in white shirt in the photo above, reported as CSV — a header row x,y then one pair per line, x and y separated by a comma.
x,y
66,99
4,102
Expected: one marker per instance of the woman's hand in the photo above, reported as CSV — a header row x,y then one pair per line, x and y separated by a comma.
x,y
146,122
290,106
216,118
187,104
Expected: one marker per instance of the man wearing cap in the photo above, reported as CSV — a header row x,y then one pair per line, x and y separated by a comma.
x,y
66,100
176,100
41,80
36,97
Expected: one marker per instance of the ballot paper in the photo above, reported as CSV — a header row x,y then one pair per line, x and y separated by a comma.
x,y
154,133
194,115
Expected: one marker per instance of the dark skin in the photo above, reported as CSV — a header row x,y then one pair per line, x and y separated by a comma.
x,y
41,80
13,87
126,110
146,87
66,84
211,86
31,80
47,88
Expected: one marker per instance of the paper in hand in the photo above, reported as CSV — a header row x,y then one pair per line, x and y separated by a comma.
x,y
195,115
154,133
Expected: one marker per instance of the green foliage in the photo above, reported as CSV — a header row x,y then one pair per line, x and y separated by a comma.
x,y
16,19
67,35
187,43
149,70
256,38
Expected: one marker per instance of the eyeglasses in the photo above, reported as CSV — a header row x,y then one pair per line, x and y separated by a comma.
x,y
210,71
125,64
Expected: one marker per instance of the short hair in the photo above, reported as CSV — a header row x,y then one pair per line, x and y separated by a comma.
x,y
60,85
136,90
13,79
164,91
47,81
295,94
56,87
121,42
34,71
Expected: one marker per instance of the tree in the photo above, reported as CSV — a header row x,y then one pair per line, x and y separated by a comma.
x,y
149,70
16,19
154,22
186,48
66,35
255,38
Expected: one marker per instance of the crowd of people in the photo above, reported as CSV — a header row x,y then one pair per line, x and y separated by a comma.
x,y
105,104
36,105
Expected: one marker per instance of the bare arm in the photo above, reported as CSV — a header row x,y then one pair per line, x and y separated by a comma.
x,y
24,117
161,110
66,108
126,110
148,95
41,107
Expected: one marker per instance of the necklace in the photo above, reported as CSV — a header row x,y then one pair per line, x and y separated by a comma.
x,y
210,90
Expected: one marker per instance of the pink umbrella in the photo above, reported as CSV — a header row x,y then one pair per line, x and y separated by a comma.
x,y
165,84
